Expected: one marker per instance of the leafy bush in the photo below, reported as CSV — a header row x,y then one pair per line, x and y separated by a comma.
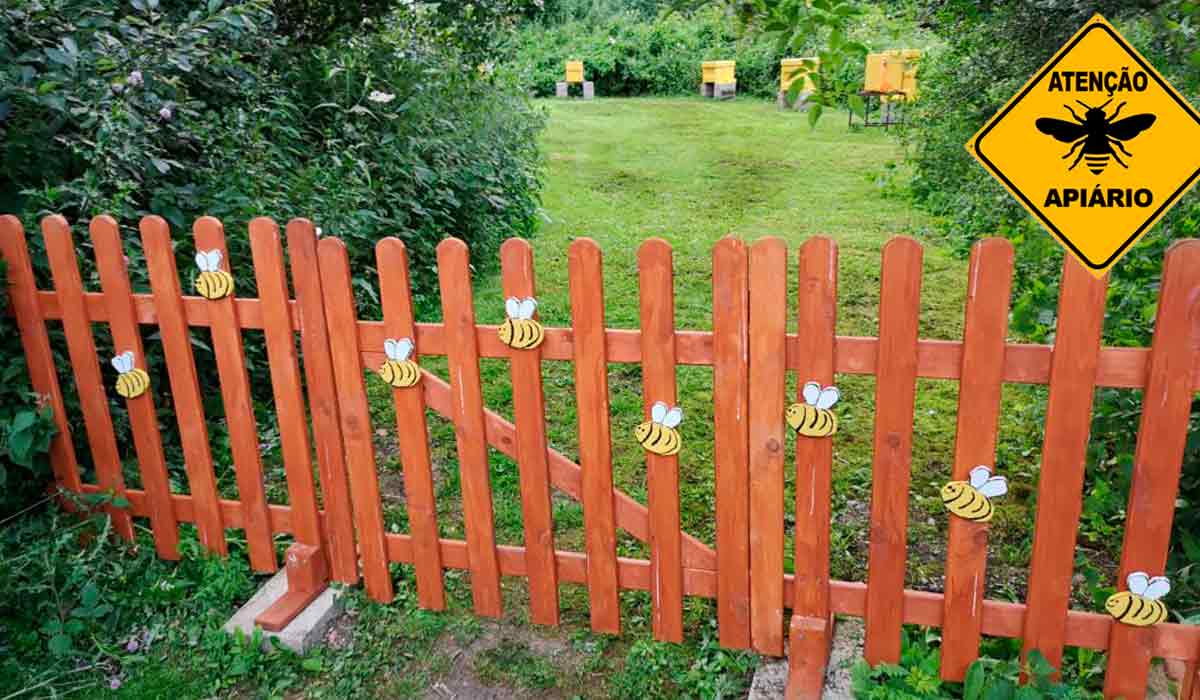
x,y
627,54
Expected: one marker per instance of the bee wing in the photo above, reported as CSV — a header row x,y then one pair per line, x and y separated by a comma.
x,y
202,262
812,392
214,260
980,475
993,487
1138,582
390,349
528,306
1158,587
404,348
673,418
512,307
828,397
123,362
658,412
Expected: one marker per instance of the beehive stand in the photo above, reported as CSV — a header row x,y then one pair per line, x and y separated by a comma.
x,y
718,79
889,83
574,75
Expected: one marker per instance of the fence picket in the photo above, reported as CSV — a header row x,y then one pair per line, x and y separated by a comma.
x,y
895,393
768,377
458,310
185,384
731,438
529,415
395,291
595,435
266,249
39,358
1162,438
657,308
816,329
355,416
230,354
1064,454
85,366
984,330
322,400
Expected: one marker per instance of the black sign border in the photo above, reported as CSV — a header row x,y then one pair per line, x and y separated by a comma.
x,y
1036,211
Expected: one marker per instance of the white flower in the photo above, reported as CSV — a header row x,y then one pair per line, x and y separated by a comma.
x,y
612,40
165,114
318,232
381,97
135,78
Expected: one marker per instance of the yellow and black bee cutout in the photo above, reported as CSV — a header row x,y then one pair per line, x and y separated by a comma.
x,y
212,282
132,381
972,500
1140,606
813,417
398,370
658,434
520,330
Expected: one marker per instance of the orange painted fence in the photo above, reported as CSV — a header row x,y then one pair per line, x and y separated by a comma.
x,y
329,432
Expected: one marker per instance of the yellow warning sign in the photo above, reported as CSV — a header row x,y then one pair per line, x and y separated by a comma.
x,y
1097,145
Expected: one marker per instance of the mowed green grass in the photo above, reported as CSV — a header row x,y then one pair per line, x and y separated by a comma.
x,y
692,171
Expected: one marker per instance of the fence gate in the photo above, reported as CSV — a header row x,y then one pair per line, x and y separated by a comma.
x,y
751,350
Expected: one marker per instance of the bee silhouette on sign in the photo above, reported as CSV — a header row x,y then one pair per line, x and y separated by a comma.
x,y
1097,133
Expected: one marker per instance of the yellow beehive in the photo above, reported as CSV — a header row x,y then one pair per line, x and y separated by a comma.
x,y
574,71
792,69
892,72
721,72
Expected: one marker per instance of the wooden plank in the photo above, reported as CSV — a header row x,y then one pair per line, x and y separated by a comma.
x,y
816,326
458,310
185,384
266,248
355,416
731,438
657,309
895,393
39,358
529,414
768,377
395,291
234,379
584,263
85,367
309,319
1158,461
1122,368
984,329
1064,454
143,416
808,657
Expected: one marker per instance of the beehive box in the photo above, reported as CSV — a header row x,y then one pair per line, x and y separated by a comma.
x,y
892,72
574,71
793,69
721,72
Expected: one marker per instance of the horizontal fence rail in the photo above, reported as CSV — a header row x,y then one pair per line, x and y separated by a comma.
x,y
325,428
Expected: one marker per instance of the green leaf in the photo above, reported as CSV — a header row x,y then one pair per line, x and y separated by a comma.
x,y
1002,689
814,113
857,106
60,645
973,683
313,665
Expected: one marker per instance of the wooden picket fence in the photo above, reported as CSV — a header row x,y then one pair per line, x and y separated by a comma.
x,y
751,353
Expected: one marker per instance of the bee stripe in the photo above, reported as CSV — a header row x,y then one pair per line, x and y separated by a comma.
x,y
1128,604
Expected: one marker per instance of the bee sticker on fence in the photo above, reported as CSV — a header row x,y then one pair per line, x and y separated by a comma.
x,y
972,500
1140,606
520,330
398,370
212,282
658,434
813,417
132,381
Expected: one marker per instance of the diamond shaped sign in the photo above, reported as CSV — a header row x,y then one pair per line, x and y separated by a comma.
x,y
1097,146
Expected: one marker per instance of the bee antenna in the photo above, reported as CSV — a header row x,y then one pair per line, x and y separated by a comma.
x,y
1085,105
1105,104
